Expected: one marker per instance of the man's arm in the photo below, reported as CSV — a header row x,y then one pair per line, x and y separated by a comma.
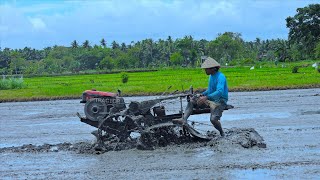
x,y
205,93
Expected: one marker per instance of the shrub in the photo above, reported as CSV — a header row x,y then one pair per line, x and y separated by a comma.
x,y
318,70
124,77
295,69
233,63
247,61
11,84
4,84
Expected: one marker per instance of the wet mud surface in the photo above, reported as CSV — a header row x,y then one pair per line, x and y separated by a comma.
x,y
235,138
269,134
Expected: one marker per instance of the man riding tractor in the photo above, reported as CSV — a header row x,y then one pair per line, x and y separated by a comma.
x,y
215,97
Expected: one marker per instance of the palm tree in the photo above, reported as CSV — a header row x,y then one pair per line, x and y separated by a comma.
x,y
86,44
74,44
115,45
170,42
103,43
123,47
281,49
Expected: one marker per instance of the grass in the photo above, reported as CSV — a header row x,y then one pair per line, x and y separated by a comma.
x,y
12,83
150,83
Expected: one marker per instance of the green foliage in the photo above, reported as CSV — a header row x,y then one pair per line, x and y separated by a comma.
x,y
17,63
176,58
74,44
247,61
186,52
281,50
242,62
58,52
295,69
103,43
304,28
5,84
11,83
115,45
317,51
295,53
124,77
227,47
86,44
122,61
134,57
53,66
107,63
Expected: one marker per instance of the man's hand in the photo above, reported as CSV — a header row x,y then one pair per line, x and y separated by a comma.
x,y
202,100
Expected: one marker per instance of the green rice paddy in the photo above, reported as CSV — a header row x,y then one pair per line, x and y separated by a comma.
x,y
152,83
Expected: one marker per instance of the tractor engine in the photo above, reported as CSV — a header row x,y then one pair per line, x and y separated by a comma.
x,y
98,104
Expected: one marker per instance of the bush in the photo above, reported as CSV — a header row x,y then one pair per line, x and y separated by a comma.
x,y
176,58
247,61
295,69
124,77
318,70
11,84
4,84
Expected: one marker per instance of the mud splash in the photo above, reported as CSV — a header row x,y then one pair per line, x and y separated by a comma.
x,y
235,137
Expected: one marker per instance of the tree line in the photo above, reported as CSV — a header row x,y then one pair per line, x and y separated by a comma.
x,y
228,48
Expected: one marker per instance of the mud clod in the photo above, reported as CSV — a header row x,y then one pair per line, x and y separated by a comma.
x,y
247,138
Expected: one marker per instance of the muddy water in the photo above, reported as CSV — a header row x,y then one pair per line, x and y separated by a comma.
x,y
288,120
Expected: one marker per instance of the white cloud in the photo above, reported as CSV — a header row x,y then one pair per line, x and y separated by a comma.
x,y
37,23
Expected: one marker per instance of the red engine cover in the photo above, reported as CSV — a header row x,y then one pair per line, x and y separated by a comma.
x,y
99,93
88,94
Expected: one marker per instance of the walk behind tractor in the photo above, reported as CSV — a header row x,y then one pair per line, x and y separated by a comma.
x,y
117,120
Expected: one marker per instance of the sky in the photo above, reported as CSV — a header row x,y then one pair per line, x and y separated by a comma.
x,y
43,23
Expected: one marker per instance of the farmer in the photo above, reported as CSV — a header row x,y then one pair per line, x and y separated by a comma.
x,y
215,97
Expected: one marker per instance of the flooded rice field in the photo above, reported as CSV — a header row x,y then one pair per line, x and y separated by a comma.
x,y
45,139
